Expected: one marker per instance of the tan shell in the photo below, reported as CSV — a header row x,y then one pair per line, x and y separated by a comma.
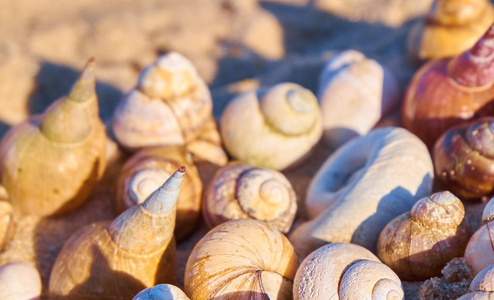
x,y
272,128
451,27
418,244
19,281
161,292
241,191
354,93
482,286
346,272
117,260
50,163
6,223
479,251
146,171
361,187
241,259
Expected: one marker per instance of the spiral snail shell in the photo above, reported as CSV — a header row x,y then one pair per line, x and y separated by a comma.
x,y
240,191
451,27
418,244
346,272
117,260
464,158
19,281
161,292
50,163
354,93
272,128
482,286
450,91
241,259
146,170
361,187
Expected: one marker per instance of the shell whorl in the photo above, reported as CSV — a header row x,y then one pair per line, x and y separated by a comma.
x,y
143,184
441,209
161,292
456,12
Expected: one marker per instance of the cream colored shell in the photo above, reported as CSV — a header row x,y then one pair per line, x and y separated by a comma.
x,y
482,286
19,281
240,191
241,259
346,272
479,252
361,187
354,93
161,292
272,128
6,223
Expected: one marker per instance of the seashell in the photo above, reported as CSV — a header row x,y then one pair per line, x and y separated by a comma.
x,y
354,93
363,186
145,172
6,223
451,27
418,244
171,105
446,92
50,163
120,258
241,259
161,292
284,123
240,191
482,286
345,271
19,281
464,158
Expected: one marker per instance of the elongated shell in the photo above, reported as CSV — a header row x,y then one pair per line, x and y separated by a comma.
x,y
145,172
117,260
417,245
451,27
354,93
241,191
272,128
479,251
19,281
161,292
361,187
241,259
346,272
50,163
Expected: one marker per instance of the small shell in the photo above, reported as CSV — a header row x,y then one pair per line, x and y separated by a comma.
x,y
482,286
241,259
243,192
354,93
161,292
346,272
284,123
19,281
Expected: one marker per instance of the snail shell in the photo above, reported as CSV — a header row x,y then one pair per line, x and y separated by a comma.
x,y
161,292
117,260
241,259
361,187
482,286
144,172
6,223
464,158
447,92
417,245
354,93
284,123
346,272
451,27
479,251
50,163
19,281
241,191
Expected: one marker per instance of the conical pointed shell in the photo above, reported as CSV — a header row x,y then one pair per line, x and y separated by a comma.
x,y
161,292
242,259
19,281
284,125
51,163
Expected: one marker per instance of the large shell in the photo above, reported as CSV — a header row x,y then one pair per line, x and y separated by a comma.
x,y
241,259
272,128
161,292
479,251
417,245
361,187
354,93
19,281
346,272
482,286
50,163
146,171
241,191
117,260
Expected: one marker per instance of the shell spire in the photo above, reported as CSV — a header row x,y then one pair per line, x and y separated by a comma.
x,y
475,67
165,198
84,88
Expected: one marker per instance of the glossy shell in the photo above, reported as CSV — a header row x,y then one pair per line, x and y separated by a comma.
x,y
161,292
19,281
479,251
